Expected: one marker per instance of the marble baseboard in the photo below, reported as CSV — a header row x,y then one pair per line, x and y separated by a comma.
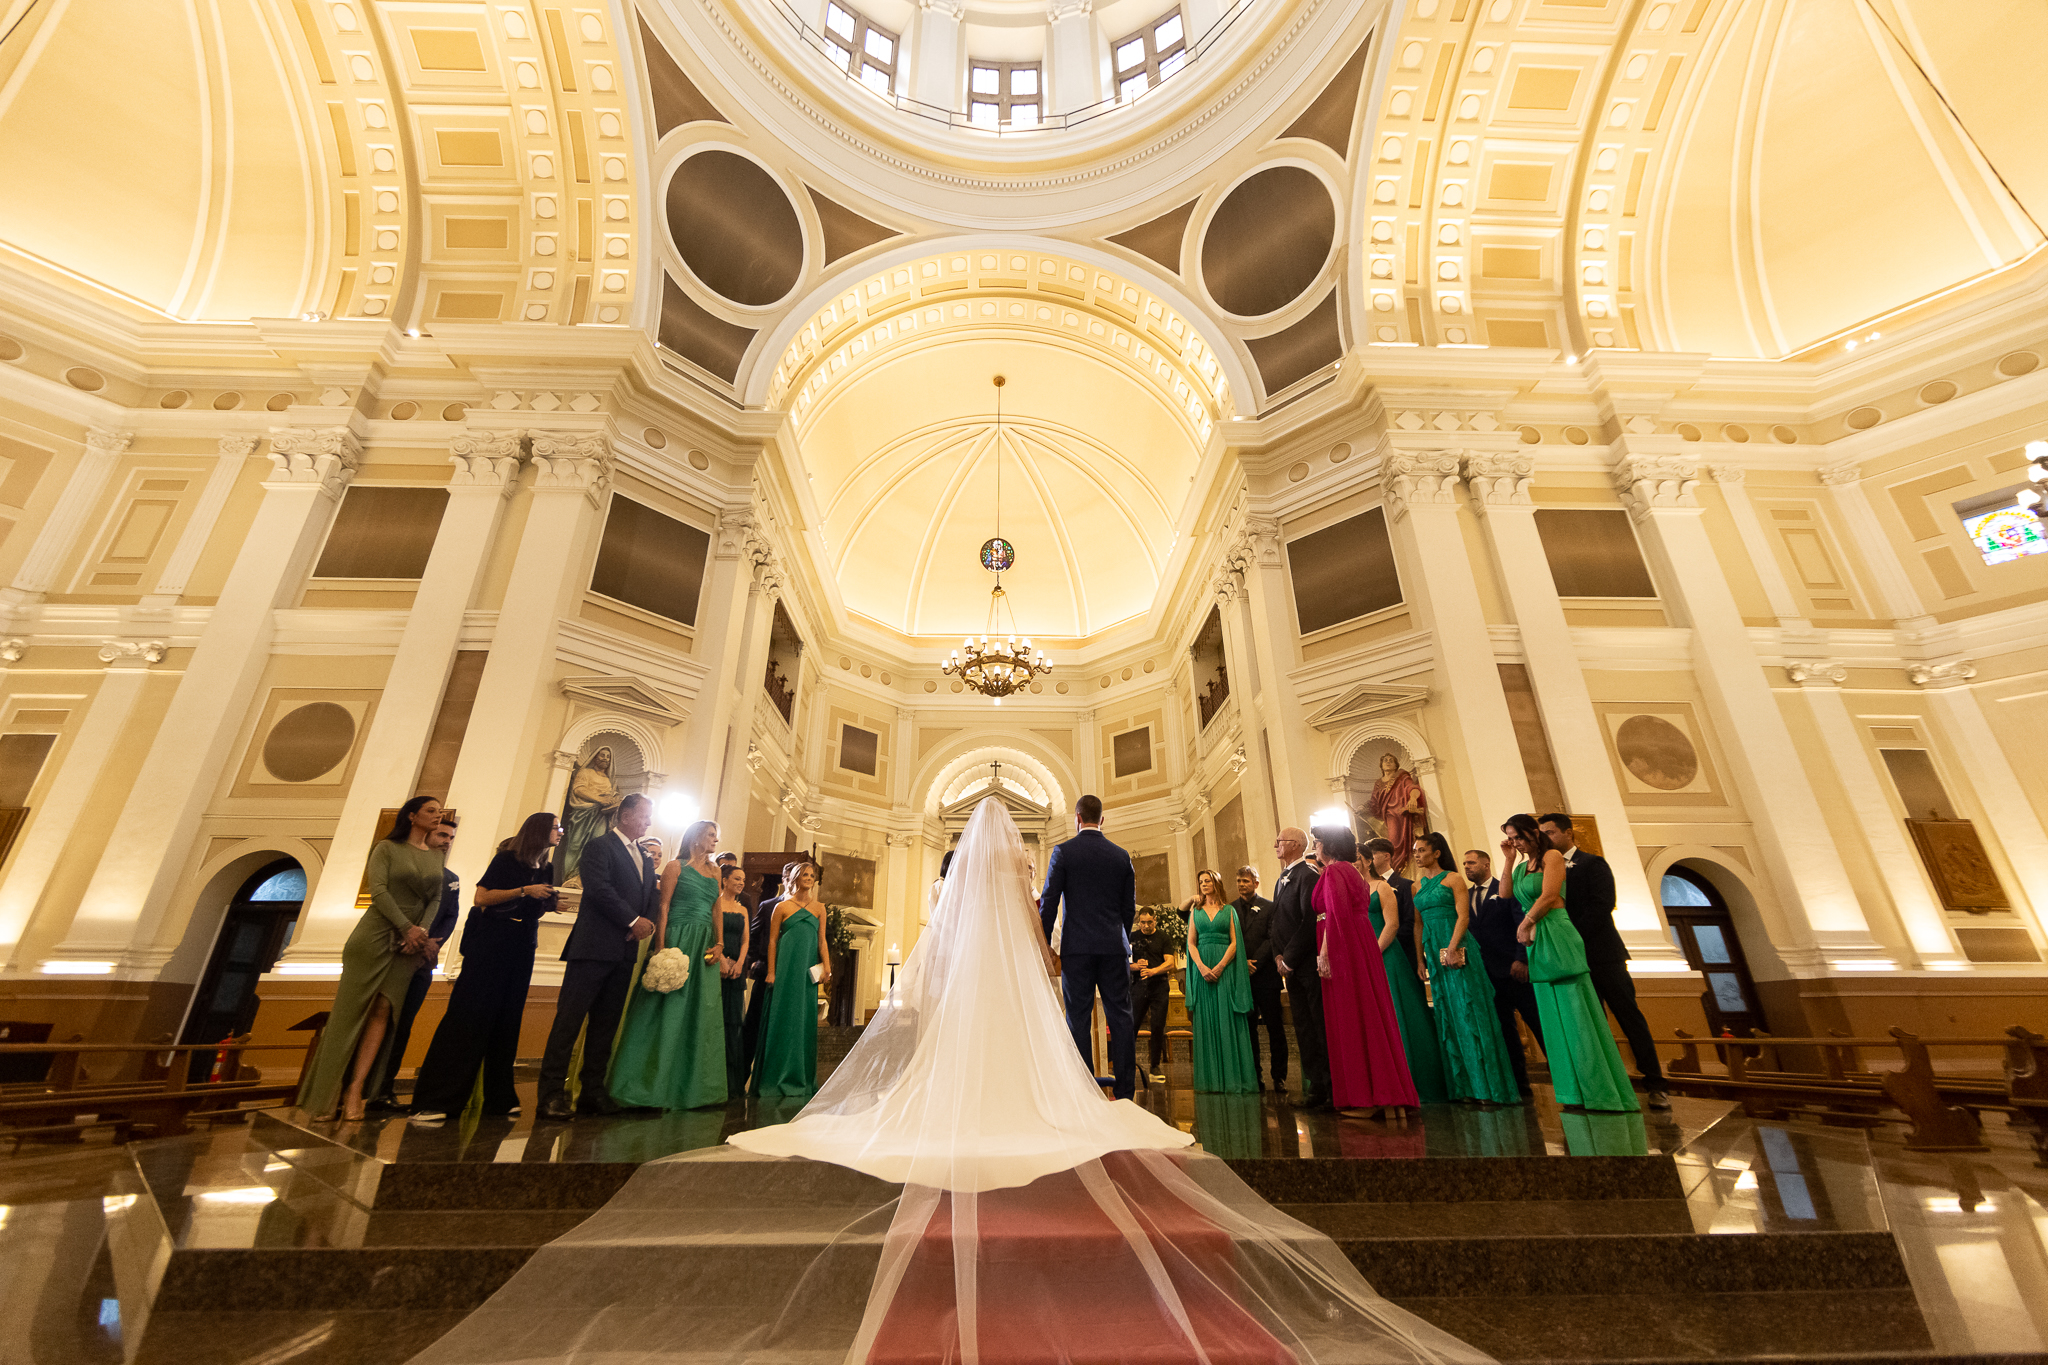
x,y
1342,1180
1485,1218
1630,1266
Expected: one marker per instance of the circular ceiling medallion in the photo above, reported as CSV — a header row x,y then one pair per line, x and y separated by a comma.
x,y
1268,240
655,438
454,412
1784,435
227,402
1732,432
2018,363
1297,473
699,460
309,741
931,687
405,412
1528,436
175,399
997,556
10,349
278,402
1863,419
1940,391
81,378
1688,432
735,228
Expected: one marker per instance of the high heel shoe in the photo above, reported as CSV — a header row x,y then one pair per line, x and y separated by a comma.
x,y
354,1115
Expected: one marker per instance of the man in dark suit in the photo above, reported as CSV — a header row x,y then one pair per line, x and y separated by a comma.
x,y
1495,918
1293,945
1100,887
617,912
416,990
1589,900
1255,919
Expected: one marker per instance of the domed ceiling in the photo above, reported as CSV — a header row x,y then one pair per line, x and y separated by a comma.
x,y
1095,467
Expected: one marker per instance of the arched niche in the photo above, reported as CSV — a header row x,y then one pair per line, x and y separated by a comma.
x,y
1356,741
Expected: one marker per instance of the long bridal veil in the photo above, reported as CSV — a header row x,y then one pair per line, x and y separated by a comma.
x,y
959,1191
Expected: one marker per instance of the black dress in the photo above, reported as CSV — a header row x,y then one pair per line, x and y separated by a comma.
x,y
734,993
488,1001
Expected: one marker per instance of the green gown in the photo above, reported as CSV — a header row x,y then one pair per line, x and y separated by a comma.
x,y
405,889
1217,1010
1585,1065
788,1059
1411,1008
671,1052
1476,1063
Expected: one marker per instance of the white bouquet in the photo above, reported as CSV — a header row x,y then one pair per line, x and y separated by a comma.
x,y
666,970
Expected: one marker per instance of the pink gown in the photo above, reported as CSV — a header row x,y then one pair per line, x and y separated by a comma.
x,y
1368,1067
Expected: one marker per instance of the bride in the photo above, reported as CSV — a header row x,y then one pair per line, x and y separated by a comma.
x,y
959,1190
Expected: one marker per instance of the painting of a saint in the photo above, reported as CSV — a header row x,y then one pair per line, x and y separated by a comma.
x,y
1398,806
592,805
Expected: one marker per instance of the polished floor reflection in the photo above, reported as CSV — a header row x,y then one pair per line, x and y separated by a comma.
x,y
87,1231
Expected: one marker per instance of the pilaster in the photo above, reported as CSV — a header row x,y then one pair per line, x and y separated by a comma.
x,y
67,521
1798,851
149,843
1072,73
1421,490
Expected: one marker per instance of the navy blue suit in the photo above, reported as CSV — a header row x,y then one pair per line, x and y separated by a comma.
x,y
619,886
1100,887
1495,917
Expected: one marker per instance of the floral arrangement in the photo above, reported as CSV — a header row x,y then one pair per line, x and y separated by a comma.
x,y
666,970
1168,920
838,933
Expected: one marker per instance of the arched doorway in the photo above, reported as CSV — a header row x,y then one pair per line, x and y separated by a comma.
x,y
257,926
1705,930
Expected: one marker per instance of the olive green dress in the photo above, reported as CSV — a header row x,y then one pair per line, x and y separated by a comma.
x,y
405,890
1585,1065
671,1052
1217,1009
788,1063
1411,1009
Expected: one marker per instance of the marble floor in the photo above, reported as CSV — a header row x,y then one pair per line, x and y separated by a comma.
x,y
87,1230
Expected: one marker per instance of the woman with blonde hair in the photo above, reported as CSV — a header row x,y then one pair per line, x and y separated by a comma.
x,y
672,1045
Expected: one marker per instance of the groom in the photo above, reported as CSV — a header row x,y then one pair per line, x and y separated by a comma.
x,y
1101,891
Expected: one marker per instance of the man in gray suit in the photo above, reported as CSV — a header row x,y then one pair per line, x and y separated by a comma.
x,y
617,912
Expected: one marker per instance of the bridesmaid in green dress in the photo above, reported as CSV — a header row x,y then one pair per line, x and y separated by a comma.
x,y
1585,1065
1411,1007
377,964
1475,1059
671,1052
1219,994
787,1064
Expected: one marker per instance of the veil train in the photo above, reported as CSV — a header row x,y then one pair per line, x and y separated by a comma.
x,y
958,1191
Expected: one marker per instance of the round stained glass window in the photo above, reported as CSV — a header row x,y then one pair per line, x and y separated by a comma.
x,y
997,555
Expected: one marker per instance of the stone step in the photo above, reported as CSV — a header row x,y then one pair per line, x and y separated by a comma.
x,y
1496,1218
1444,1180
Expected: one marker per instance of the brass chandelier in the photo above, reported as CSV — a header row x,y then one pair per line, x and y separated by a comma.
x,y
996,664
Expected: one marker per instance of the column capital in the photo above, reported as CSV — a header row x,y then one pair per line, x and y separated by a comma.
x,y
1501,480
236,445
13,649
1817,672
1655,483
1837,475
571,462
324,456
1934,675
1068,9
562,760
485,459
1423,478
1228,587
1085,718
739,536
949,9
1727,473
103,441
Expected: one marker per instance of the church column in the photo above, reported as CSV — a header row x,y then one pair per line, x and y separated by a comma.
x,y
1894,590
750,672
1500,488
1268,700
730,585
1864,785
1992,781
67,520
1087,765
1256,784
1072,68
935,75
234,450
486,472
148,841
1422,513
1799,853
571,475
59,814
1777,588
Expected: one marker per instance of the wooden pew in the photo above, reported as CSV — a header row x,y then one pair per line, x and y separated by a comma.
x,y
164,1103
1942,1109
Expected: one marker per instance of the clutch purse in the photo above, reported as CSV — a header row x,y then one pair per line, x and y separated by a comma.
x,y
817,971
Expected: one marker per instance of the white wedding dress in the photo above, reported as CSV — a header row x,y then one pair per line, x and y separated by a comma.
x,y
958,1193
967,1078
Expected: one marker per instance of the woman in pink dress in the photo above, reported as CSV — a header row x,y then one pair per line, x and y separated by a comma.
x,y
1368,1068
